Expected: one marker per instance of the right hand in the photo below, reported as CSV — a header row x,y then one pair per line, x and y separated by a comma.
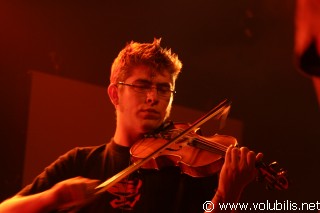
x,y
73,190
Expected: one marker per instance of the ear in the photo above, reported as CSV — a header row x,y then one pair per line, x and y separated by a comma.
x,y
113,94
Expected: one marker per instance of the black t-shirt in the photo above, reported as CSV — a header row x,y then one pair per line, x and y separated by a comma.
x,y
144,191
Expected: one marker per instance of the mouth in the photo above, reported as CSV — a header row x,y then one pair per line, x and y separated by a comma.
x,y
150,113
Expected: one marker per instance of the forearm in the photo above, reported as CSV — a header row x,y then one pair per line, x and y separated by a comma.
x,y
41,202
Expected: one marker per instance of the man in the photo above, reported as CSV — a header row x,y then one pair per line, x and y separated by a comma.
x,y
142,84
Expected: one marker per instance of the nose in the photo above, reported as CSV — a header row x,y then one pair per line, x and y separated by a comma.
x,y
152,95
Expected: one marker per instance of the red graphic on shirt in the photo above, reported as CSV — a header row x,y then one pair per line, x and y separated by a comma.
x,y
127,193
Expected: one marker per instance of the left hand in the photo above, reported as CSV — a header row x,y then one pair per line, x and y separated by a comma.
x,y
237,171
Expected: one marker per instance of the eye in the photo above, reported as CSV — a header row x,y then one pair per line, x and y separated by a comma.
x,y
142,87
163,88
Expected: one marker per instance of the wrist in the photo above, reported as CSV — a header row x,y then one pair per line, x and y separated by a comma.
x,y
49,199
227,197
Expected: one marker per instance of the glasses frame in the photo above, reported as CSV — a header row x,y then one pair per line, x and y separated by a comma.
x,y
148,89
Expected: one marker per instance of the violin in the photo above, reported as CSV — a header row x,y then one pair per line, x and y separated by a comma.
x,y
197,156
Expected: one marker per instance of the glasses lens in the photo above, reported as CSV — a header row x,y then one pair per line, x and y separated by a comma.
x,y
141,88
162,90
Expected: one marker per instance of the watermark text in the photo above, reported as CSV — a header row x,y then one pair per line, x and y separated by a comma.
x,y
287,205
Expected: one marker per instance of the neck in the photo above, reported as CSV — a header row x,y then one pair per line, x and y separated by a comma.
x,y
126,138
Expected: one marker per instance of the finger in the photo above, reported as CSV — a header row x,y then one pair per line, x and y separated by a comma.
x,y
243,156
228,154
235,155
251,159
91,186
82,187
259,157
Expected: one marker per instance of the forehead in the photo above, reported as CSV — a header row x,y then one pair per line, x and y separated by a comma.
x,y
146,73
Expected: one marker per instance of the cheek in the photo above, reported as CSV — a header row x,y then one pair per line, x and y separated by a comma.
x,y
167,107
128,102
122,103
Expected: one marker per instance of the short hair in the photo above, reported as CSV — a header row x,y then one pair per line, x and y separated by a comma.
x,y
148,54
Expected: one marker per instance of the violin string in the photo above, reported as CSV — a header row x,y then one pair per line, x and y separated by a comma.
x,y
211,146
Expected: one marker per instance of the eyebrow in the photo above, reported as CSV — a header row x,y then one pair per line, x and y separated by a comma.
x,y
145,81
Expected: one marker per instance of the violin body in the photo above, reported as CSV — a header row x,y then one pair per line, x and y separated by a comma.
x,y
185,154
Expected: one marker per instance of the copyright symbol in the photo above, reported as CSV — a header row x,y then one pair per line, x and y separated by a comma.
x,y
208,206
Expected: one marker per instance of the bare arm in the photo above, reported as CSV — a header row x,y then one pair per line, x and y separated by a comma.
x,y
41,202
68,191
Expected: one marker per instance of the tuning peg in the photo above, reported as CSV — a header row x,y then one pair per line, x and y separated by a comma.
x,y
274,164
276,178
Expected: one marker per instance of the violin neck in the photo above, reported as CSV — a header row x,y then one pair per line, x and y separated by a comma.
x,y
209,146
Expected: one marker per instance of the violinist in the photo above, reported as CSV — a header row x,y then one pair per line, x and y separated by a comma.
x,y
142,87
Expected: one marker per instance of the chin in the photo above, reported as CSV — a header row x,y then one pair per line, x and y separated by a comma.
x,y
149,126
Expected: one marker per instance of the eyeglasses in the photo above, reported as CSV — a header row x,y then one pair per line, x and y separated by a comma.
x,y
162,90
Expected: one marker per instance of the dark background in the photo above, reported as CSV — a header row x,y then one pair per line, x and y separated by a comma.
x,y
241,50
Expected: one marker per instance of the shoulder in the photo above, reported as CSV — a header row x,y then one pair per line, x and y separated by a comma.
x,y
79,159
77,162
87,151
